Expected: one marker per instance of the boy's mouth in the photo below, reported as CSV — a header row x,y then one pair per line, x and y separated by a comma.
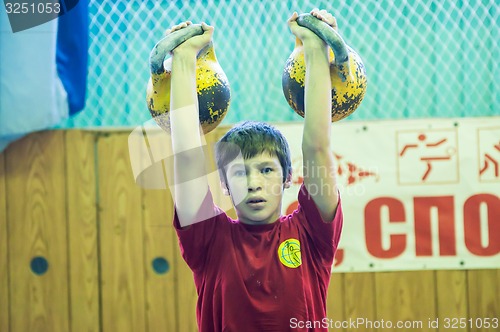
x,y
256,202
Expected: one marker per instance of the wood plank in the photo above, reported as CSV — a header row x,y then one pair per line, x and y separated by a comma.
x,y
360,298
4,272
186,295
160,242
82,231
451,295
483,287
121,238
335,302
36,201
406,296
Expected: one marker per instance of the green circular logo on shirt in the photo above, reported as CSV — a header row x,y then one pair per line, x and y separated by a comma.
x,y
289,253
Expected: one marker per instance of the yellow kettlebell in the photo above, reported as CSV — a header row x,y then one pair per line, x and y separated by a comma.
x,y
347,71
212,85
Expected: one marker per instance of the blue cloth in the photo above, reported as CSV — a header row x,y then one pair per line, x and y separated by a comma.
x,y
43,73
72,52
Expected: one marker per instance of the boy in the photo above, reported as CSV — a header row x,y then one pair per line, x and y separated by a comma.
x,y
263,271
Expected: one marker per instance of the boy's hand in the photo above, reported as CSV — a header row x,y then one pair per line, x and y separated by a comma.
x,y
194,44
305,35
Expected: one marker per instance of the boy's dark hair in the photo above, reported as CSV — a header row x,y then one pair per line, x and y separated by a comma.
x,y
252,138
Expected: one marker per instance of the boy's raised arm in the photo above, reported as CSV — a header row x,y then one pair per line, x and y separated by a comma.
x,y
191,184
318,162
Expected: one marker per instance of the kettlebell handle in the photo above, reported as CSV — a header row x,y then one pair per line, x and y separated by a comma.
x,y
327,34
168,43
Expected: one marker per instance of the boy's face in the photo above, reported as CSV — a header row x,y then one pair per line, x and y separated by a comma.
x,y
256,188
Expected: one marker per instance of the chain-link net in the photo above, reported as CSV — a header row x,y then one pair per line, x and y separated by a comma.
x,y
424,58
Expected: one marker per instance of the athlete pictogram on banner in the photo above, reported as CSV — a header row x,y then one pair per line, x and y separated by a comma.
x,y
489,154
427,157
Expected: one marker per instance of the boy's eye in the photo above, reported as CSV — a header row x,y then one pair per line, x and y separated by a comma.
x,y
239,173
267,170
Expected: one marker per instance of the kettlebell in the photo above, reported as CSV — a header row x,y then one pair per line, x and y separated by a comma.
x,y
347,71
212,85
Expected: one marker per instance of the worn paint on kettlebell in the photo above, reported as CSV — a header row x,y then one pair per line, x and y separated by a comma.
x,y
348,80
212,88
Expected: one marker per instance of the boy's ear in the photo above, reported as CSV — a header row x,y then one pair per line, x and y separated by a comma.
x,y
288,181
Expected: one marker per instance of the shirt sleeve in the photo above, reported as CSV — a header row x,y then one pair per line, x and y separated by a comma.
x,y
324,235
194,240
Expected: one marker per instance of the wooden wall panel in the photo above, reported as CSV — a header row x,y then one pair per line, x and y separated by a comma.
x,y
359,297
82,231
483,288
36,203
451,293
335,302
121,239
186,296
160,242
4,272
406,296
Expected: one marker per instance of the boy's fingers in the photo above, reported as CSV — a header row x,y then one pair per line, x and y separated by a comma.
x,y
333,22
178,27
316,13
206,27
325,16
293,18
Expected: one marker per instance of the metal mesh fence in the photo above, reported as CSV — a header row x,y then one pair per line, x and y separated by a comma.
x,y
424,58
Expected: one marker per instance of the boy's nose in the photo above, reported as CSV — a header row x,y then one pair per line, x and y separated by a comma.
x,y
253,182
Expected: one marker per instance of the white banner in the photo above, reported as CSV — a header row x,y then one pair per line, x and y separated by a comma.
x,y
416,194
